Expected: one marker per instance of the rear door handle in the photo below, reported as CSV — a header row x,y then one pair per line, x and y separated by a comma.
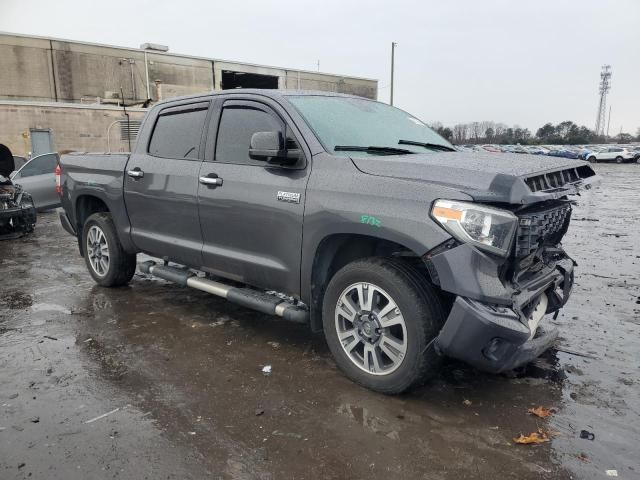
x,y
211,180
135,173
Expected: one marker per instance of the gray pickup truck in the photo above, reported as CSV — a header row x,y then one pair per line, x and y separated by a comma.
x,y
340,212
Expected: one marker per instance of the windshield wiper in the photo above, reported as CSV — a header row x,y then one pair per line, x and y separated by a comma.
x,y
435,146
372,149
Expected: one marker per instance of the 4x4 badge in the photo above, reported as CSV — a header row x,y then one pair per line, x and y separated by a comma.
x,y
290,197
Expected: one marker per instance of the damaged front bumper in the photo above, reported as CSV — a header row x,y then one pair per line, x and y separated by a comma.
x,y
19,220
490,325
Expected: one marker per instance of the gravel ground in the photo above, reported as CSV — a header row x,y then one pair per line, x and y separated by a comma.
x,y
156,381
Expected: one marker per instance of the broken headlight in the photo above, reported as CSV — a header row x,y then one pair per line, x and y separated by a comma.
x,y
488,228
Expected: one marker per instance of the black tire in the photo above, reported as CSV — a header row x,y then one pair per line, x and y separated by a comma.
x,y
121,265
618,159
593,159
420,306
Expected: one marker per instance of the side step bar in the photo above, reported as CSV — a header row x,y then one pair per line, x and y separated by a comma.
x,y
262,302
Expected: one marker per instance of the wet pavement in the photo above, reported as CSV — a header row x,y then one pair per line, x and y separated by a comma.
x,y
157,381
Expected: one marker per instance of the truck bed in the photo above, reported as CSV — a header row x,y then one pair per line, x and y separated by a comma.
x,y
99,175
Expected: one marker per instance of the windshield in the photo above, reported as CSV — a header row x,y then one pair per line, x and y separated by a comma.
x,y
353,122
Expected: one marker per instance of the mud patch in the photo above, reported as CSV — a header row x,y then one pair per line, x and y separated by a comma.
x,y
16,300
190,364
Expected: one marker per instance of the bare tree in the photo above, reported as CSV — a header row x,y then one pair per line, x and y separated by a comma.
x,y
460,132
475,131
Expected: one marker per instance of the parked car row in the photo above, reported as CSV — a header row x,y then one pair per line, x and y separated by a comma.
x,y
592,153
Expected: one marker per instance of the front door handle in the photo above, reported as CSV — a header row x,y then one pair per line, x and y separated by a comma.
x,y
135,173
211,180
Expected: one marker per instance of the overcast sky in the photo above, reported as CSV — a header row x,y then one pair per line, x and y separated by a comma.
x,y
457,61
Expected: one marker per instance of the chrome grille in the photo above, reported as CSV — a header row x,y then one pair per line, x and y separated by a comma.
x,y
559,178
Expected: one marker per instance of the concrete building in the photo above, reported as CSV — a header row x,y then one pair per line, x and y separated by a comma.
x,y
39,127
75,90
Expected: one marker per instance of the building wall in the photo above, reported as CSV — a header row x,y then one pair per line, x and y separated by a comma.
x,y
25,69
330,83
72,88
64,71
73,127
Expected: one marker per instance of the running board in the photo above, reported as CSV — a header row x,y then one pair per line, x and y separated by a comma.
x,y
262,302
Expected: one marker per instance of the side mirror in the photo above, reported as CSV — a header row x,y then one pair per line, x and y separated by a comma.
x,y
271,148
265,145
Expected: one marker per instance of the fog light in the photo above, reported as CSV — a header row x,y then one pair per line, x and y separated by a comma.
x,y
496,349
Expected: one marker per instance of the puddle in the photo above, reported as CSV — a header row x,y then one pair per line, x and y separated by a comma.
x,y
370,422
50,307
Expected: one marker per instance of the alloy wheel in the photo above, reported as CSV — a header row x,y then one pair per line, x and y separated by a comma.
x,y
98,250
371,328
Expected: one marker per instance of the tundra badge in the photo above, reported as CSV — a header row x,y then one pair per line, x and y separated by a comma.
x,y
290,197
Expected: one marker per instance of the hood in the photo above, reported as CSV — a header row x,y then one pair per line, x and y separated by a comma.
x,y
7,164
490,177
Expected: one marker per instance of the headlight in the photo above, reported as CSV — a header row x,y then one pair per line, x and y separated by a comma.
x,y
489,228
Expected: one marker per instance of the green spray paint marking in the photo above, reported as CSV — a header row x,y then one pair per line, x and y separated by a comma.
x,y
370,220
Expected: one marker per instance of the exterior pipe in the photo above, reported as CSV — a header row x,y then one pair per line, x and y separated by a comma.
x,y
146,72
109,135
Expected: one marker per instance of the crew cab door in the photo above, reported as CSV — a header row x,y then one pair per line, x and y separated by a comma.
x,y
161,185
251,215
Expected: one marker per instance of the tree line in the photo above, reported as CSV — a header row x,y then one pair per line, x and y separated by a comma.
x,y
564,133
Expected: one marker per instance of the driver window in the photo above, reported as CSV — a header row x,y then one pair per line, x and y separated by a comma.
x,y
237,125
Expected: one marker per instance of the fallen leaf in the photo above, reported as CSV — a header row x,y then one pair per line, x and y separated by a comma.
x,y
541,412
583,457
535,437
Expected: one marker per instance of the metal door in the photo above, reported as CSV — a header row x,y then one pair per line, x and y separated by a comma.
x,y
41,141
161,186
251,213
37,177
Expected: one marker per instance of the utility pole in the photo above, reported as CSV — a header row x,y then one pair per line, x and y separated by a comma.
x,y
318,65
393,48
609,121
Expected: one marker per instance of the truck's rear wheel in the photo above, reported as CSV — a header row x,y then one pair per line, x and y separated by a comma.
x,y
380,316
108,263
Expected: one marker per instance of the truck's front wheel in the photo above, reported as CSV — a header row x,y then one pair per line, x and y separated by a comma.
x,y
108,263
380,316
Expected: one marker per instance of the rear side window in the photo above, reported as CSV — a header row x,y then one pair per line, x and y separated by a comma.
x,y
177,134
237,125
40,165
